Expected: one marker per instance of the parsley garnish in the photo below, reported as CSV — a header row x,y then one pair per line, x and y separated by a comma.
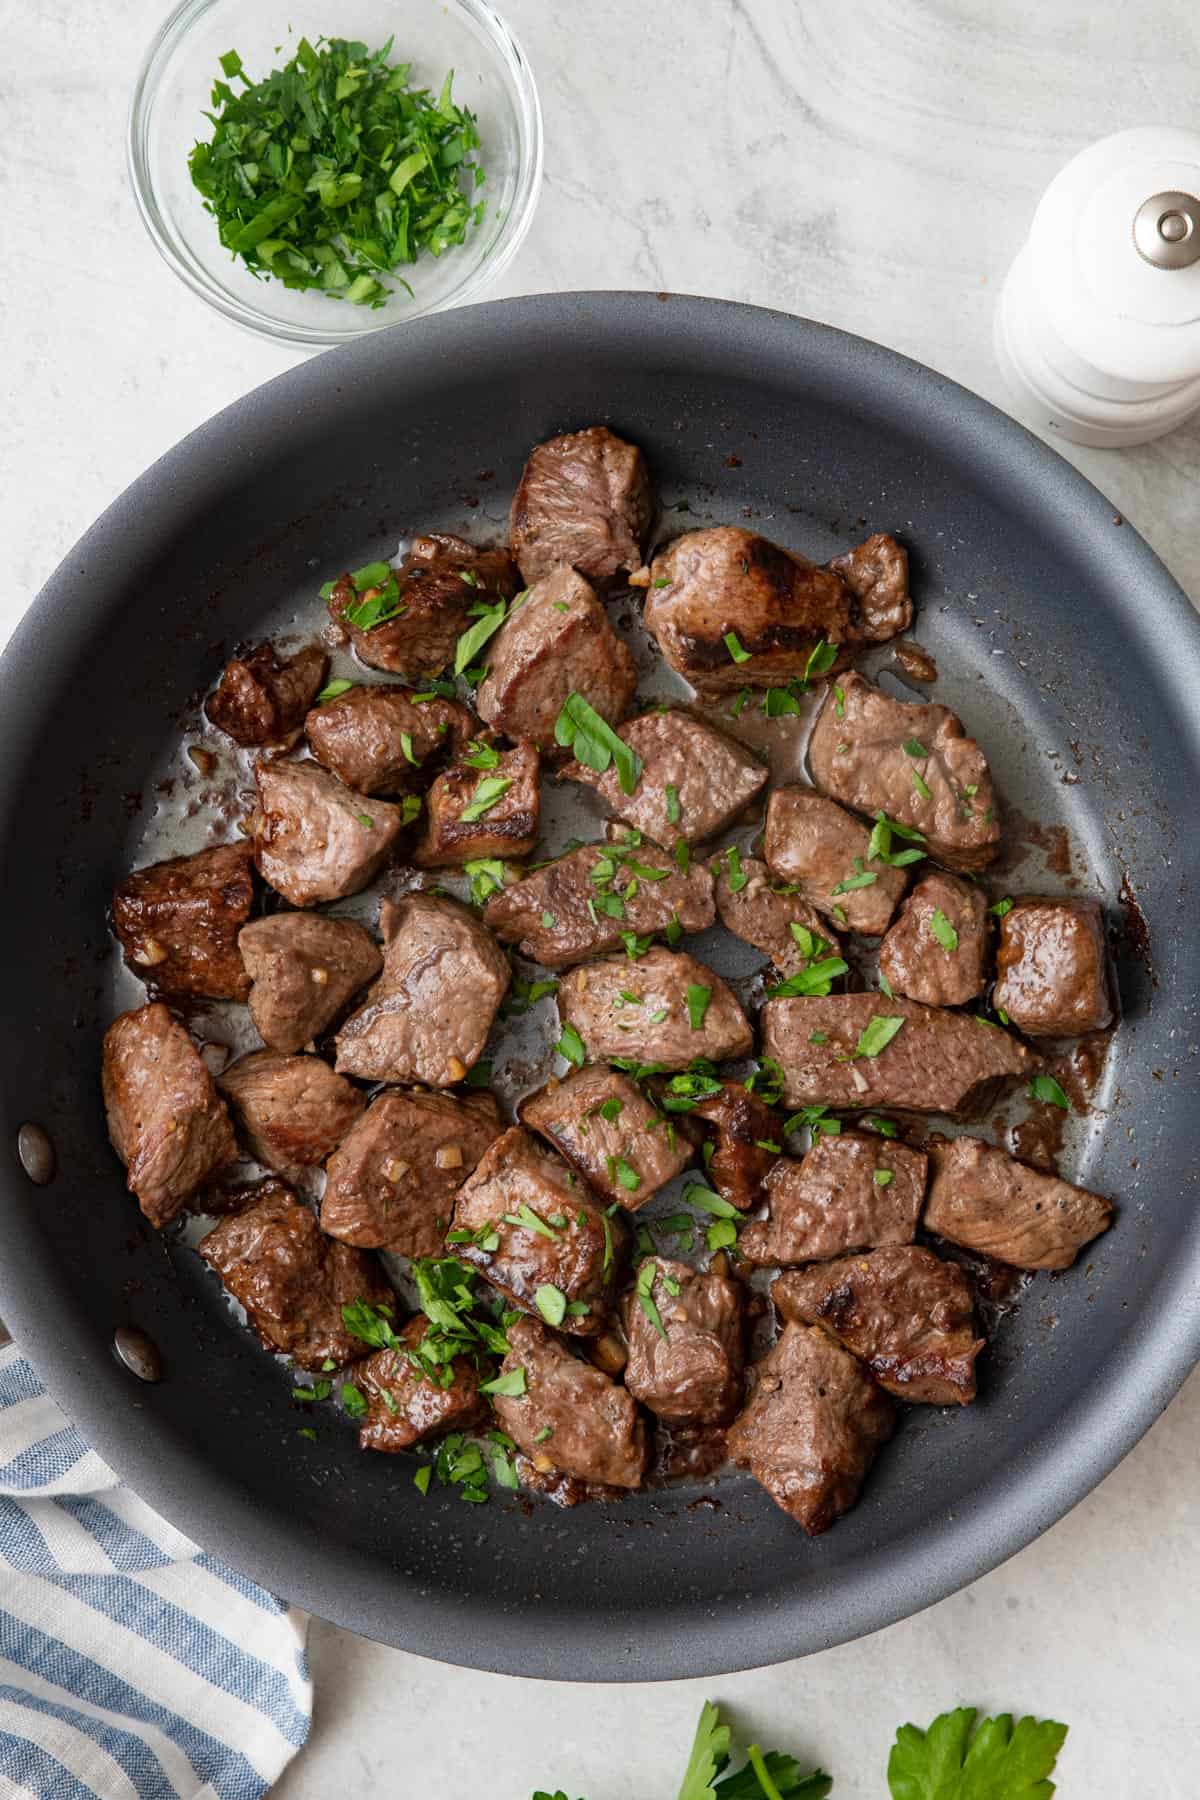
x,y
697,1004
512,1384
551,1302
734,646
861,878
879,849
354,1401
333,691
814,981
490,790
877,1034
1049,1091
672,800
821,657
481,756
1001,908
645,1296
579,727
943,931
571,1045
487,624
486,876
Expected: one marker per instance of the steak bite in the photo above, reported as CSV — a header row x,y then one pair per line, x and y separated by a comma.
x,y
260,700
178,922
314,840
558,641
424,606
852,1191
935,951
689,1372
165,1118
406,1404
1052,962
584,903
386,740
584,500
742,1132
913,762
390,1184
474,811
605,1125
944,1062
985,1200
529,1225
811,1428
428,1016
292,1111
694,781
907,1314
782,925
665,1008
293,1280
570,1416
813,844
305,968
876,573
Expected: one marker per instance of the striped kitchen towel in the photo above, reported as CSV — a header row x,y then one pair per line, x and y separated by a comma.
x,y
132,1665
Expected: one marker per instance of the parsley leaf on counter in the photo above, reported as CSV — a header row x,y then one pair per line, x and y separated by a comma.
x,y
1001,1761
579,727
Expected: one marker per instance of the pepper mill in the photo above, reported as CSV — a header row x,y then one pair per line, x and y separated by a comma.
x,y
1098,326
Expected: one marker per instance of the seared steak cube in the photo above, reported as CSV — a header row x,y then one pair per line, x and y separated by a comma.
x,y
260,700
1053,968
815,846
913,762
178,922
570,1416
936,1061
305,968
611,1131
984,1199
314,840
935,951
694,780
293,1280
166,1120
584,500
428,1016
292,1111
586,902
907,1314
390,1184
685,1362
558,641
386,740
411,623
812,1426
876,573
665,1008
473,812
406,1405
782,925
850,1192
742,1131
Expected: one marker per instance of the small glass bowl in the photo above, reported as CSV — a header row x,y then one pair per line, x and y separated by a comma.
x,y
166,116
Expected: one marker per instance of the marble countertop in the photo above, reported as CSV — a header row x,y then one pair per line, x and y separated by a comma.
x,y
871,165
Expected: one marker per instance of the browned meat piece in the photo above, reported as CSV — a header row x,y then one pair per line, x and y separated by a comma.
x,y
850,1192
570,1417
615,1136
876,573
292,1111
260,700
723,589
742,1130
529,1225
580,904
558,641
938,1061
694,779
751,906
913,762
386,740
178,922
1052,963
166,1120
984,1199
314,840
935,951
406,1406
474,812
305,968
665,1008
424,608
292,1280
815,846
584,499
690,1371
390,1184
905,1312
428,1016
812,1426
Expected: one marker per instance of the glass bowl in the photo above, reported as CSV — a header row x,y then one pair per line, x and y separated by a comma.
x,y
166,116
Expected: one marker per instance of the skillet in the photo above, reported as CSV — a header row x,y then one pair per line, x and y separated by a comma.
x,y
1073,656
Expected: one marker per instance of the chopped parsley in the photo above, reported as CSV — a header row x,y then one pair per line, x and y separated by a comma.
x,y
943,931
645,1296
879,849
1002,908
551,1302
736,876
481,756
571,1045
333,691
597,746
697,1004
883,1177
734,646
861,878
488,620
915,748
1049,1091
815,981
821,657
672,799
487,793
511,1384
486,875
877,1034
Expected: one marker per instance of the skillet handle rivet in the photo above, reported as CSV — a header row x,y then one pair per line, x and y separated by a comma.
x,y
36,1153
140,1355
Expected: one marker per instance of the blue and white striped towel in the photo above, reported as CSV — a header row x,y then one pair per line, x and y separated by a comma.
x,y
132,1665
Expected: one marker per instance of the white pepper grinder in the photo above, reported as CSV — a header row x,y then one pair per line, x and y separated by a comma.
x,y
1098,326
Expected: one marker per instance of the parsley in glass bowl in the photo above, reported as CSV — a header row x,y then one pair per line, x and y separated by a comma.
x,y
203,39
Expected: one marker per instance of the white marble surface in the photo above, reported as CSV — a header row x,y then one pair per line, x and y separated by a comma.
x,y
869,164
